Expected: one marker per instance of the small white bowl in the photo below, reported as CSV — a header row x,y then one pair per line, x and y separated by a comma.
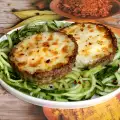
x,y
56,104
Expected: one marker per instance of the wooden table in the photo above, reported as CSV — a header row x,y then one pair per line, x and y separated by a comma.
x,y
12,108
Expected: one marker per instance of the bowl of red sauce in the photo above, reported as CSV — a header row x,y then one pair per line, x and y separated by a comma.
x,y
86,9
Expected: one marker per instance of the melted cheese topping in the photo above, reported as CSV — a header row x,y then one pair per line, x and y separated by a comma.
x,y
93,42
43,52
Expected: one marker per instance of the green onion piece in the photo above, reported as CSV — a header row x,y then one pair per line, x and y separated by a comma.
x,y
118,77
93,85
106,80
4,62
10,41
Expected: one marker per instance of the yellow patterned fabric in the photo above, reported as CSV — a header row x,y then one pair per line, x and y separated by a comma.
x,y
109,110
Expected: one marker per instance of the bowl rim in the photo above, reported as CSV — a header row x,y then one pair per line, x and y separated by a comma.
x,y
55,104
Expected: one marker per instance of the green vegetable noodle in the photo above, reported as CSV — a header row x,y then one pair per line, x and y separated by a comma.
x,y
80,84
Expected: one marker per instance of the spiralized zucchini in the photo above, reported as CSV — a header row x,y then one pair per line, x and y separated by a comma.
x,y
78,85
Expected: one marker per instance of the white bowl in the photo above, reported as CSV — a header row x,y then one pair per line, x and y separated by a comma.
x,y
56,104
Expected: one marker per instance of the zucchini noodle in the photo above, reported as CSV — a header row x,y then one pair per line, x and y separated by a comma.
x,y
78,85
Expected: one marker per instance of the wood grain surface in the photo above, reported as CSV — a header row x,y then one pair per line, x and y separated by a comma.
x,y
11,108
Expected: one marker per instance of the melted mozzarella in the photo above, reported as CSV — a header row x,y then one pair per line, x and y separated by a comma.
x,y
44,52
93,42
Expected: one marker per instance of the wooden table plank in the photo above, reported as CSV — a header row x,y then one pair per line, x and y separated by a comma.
x,y
8,18
6,6
11,108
